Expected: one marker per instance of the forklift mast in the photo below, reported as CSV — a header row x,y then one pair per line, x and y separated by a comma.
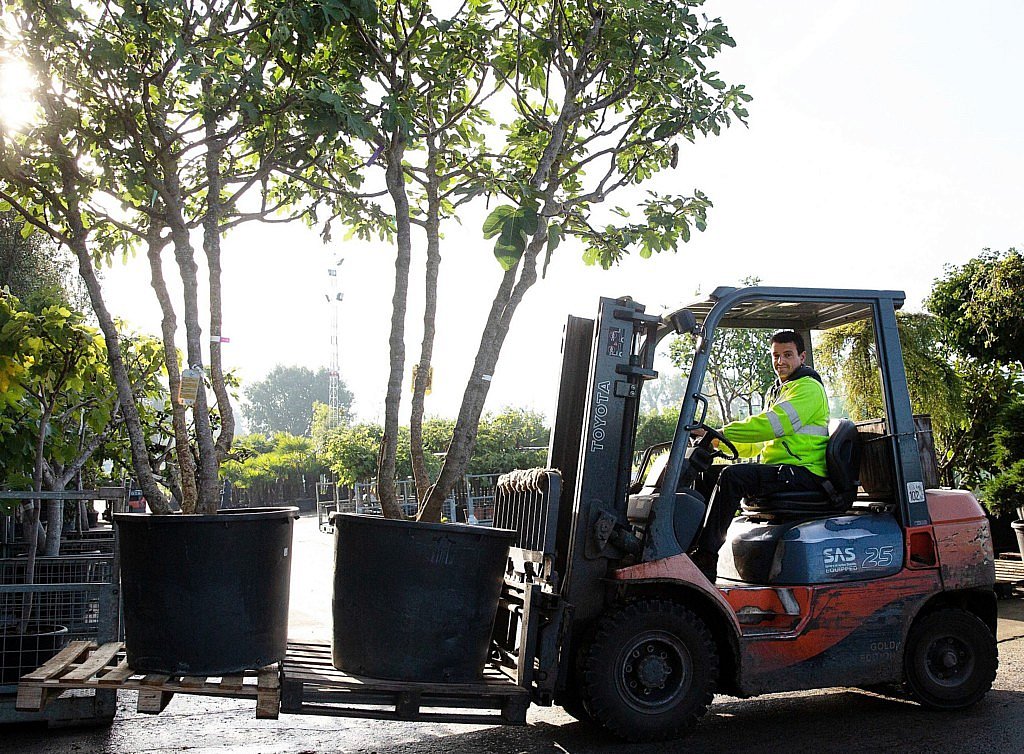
x,y
592,444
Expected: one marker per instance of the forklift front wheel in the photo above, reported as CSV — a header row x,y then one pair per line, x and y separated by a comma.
x,y
951,659
649,673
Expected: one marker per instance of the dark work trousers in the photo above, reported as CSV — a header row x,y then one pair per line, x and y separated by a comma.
x,y
726,485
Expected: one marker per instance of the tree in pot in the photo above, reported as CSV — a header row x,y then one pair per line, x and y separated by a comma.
x,y
154,121
593,98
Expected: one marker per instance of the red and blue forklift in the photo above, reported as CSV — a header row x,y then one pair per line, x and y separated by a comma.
x,y
605,613
602,610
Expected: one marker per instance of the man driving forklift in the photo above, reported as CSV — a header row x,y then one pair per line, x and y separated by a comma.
x,y
790,435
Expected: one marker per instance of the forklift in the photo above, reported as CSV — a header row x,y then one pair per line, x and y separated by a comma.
x,y
603,611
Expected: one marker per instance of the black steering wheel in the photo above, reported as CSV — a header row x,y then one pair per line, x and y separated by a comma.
x,y
710,434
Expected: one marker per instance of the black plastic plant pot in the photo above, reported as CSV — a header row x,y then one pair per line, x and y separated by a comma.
x,y
415,601
207,594
21,653
1018,529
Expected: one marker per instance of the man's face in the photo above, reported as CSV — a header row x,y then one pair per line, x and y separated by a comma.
x,y
785,359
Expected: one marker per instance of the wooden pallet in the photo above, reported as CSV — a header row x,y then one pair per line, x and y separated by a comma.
x,y
1009,576
83,665
311,685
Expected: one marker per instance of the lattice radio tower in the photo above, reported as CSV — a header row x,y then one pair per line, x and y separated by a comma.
x,y
334,297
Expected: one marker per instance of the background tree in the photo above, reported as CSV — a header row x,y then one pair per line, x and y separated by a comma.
x,y
978,308
664,393
739,371
32,266
273,470
515,438
283,400
58,405
351,452
1006,486
656,427
848,358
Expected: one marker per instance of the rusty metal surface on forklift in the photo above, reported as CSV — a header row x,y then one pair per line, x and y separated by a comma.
x,y
963,539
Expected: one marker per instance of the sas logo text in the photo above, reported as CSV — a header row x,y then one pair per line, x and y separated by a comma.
x,y
839,559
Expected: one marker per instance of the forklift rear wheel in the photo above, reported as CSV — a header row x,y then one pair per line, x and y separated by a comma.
x,y
951,659
650,671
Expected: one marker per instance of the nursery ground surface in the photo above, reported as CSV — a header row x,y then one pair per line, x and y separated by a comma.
x,y
835,720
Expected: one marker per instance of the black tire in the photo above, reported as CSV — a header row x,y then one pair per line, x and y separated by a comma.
x,y
950,660
570,698
650,671
573,704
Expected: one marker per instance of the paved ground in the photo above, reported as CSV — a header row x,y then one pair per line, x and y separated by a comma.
x,y
831,721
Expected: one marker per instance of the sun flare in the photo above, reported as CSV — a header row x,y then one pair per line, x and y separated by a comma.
x,y
16,105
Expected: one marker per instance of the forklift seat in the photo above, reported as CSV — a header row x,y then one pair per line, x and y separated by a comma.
x,y
842,458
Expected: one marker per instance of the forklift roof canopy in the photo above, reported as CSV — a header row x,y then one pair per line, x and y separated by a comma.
x,y
798,309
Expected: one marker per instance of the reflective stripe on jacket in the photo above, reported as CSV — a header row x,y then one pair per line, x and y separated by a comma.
x,y
793,429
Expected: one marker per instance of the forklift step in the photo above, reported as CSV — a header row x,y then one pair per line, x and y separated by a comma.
x,y
311,685
1009,576
84,665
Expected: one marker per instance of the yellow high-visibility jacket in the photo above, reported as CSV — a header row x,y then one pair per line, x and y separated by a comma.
x,y
793,429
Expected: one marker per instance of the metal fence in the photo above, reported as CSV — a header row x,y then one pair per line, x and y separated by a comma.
x,y
472,500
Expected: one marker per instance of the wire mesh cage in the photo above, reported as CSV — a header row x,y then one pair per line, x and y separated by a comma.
x,y
72,597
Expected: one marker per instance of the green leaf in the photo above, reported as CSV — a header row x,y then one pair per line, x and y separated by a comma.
x,y
554,237
666,129
508,255
495,221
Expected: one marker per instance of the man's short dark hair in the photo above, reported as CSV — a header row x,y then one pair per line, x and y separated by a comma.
x,y
790,336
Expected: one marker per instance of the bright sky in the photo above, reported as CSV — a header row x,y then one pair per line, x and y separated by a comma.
x,y
885,142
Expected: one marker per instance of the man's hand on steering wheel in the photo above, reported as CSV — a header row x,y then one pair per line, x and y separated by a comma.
x,y
702,432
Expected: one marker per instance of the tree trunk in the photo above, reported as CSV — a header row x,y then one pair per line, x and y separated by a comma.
x,y
54,527
188,493
33,518
463,441
389,442
211,245
508,297
184,256
419,388
506,300
129,410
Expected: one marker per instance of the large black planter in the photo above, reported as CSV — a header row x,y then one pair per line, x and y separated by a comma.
x,y
205,595
21,653
1018,529
415,601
